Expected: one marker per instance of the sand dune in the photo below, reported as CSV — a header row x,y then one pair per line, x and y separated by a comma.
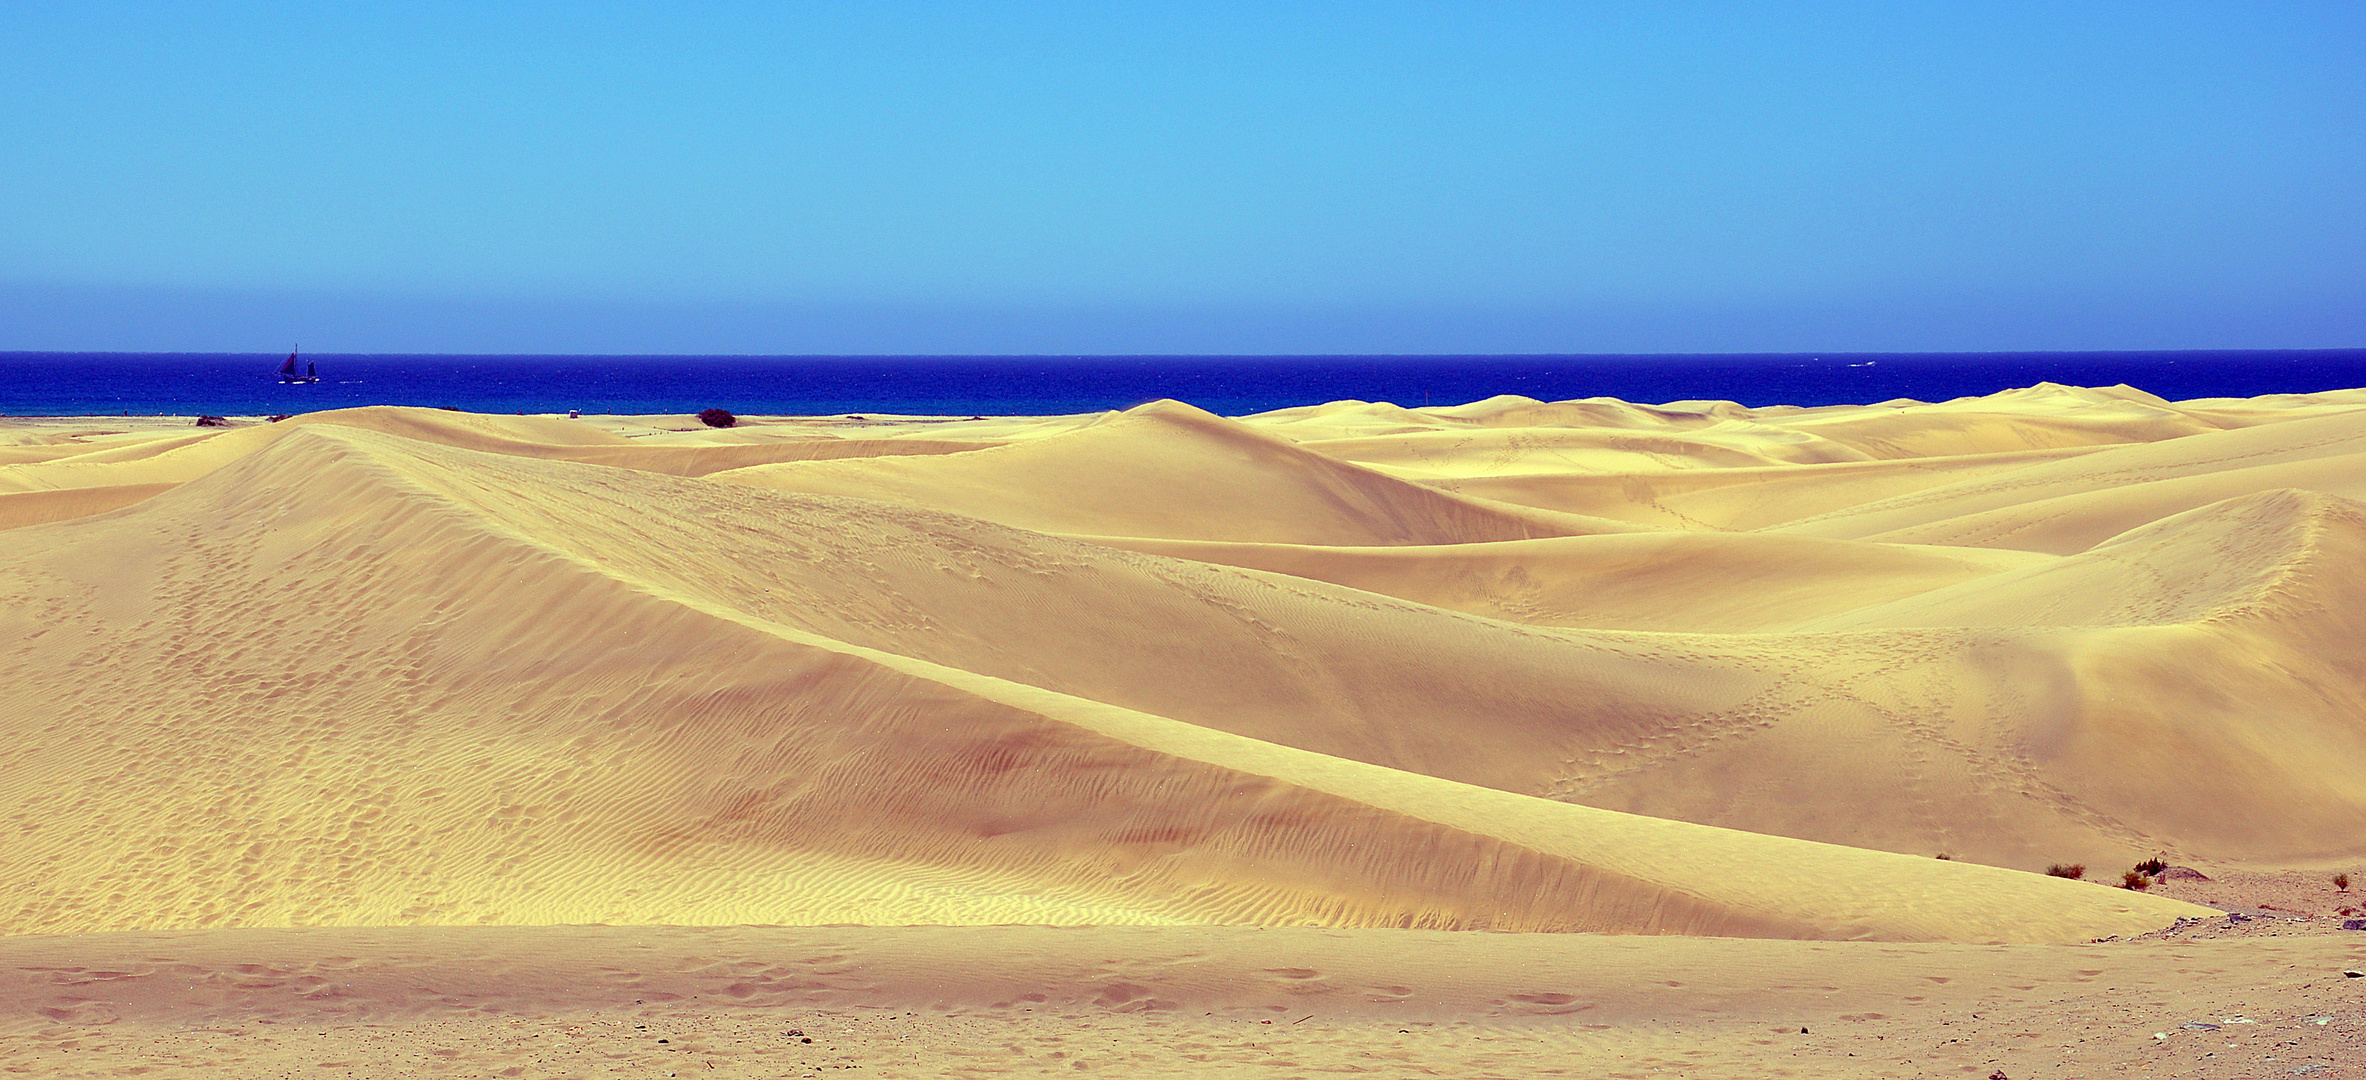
x,y
1623,581
1163,667
119,473
1687,671
18,508
847,784
1525,451
2209,564
1172,471
2061,507
1739,498
1361,678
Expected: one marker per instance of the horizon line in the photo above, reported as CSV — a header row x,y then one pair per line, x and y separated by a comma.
x,y
1809,353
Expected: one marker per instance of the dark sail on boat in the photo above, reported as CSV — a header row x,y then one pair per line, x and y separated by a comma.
x,y
287,371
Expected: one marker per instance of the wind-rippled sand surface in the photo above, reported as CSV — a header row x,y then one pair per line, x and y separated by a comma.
x,y
1719,681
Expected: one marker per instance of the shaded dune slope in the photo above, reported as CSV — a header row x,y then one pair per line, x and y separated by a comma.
x,y
434,717
21,508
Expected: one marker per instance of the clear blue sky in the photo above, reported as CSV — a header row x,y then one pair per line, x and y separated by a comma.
x,y
1317,177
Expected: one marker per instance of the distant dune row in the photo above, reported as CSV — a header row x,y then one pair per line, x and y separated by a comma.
x,y
1587,665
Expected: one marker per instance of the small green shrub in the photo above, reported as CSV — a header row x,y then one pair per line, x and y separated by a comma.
x,y
2135,879
2151,867
717,418
2341,881
2073,871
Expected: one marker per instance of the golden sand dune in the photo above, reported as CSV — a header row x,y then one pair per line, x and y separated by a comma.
x,y
313,731
1746,498
450,704
179,457
2066,506
2284,554
1623,581
1172,471
413,667
1499,451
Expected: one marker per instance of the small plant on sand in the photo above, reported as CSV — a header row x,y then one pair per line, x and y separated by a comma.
x,y
2151,867
2341,881
2135,879
1944,857
212,421
717,418
2073,871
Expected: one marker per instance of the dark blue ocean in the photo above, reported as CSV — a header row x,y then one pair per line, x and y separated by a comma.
x,y
56,384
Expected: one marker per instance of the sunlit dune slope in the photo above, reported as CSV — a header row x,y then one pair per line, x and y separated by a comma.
x,y
2282,550
1170,470
1747,498
317,687
2045,416
2225,639
1527,451
2065,506
1870,468
1624,581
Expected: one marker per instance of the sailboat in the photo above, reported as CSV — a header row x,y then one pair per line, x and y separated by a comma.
x,y
287,371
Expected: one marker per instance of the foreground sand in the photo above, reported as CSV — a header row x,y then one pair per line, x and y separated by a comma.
x,y
1694,672
1169,1001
